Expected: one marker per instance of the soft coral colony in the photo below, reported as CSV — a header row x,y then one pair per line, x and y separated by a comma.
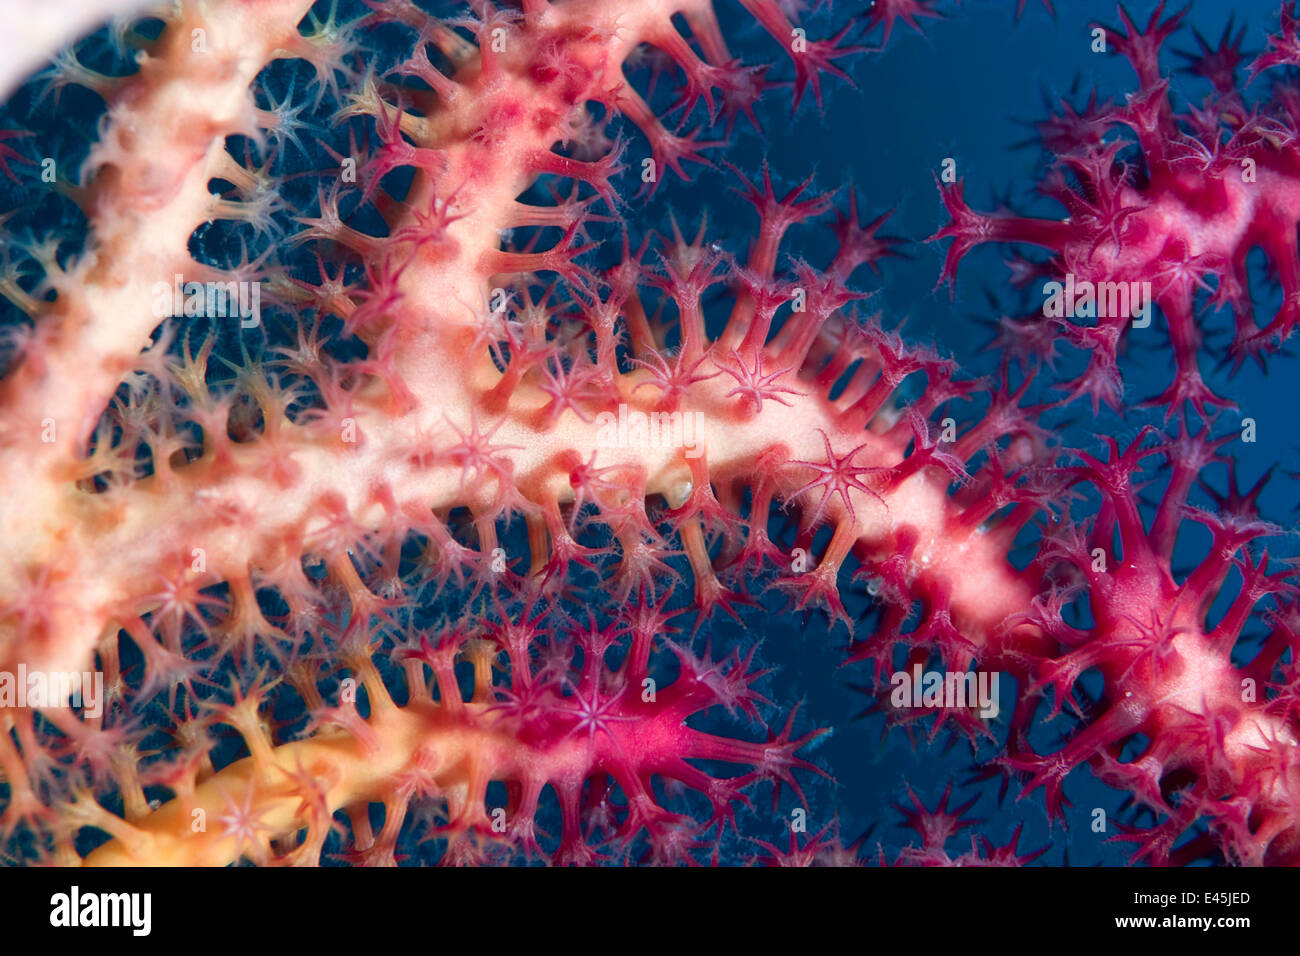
x,y
382,571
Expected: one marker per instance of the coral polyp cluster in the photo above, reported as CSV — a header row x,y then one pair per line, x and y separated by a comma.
x,y
585,731
420,489
300,507
1173,195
